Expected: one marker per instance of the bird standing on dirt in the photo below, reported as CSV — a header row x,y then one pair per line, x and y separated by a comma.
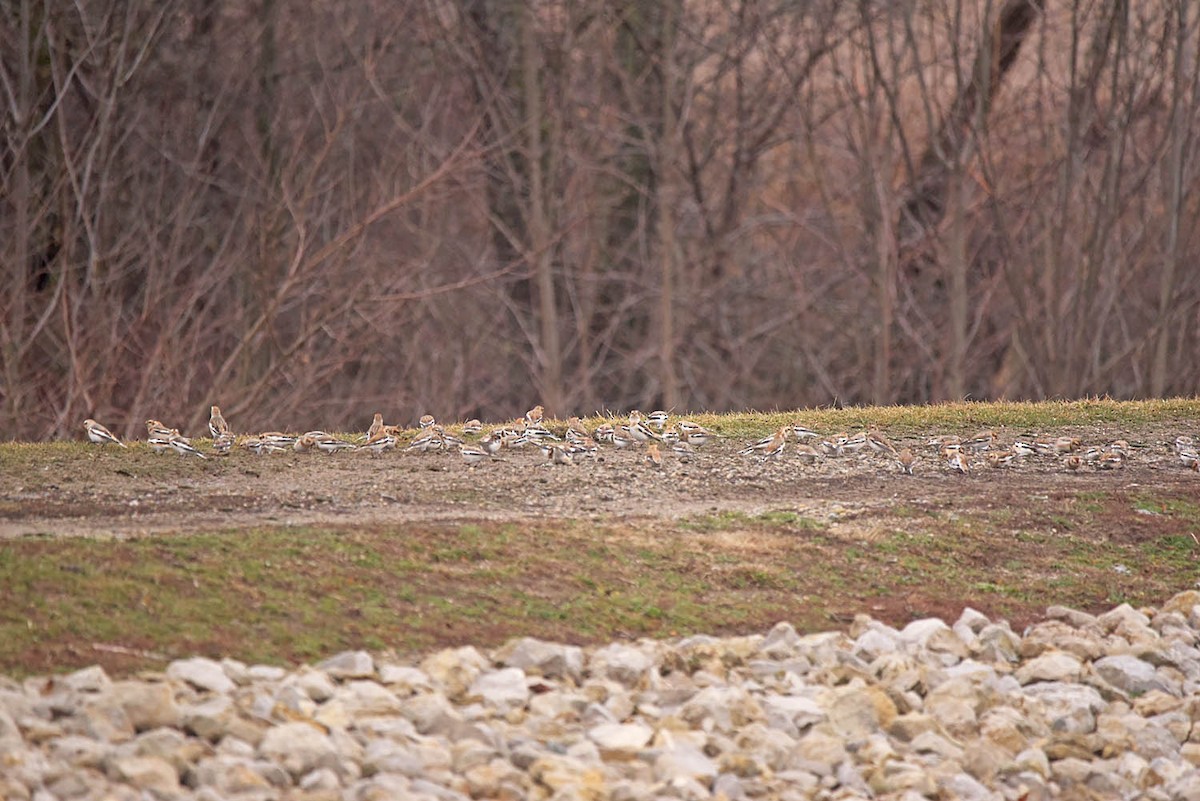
x,y
216,422
100,435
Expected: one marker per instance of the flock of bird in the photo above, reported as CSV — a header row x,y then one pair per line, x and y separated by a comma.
x,y
655,434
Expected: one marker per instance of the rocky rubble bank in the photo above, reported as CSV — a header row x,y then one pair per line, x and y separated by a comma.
x,y
1076,707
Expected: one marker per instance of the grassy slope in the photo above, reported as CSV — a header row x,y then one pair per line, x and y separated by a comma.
x,y
288,594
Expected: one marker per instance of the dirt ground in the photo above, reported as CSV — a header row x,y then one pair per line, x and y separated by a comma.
x,y
725,543
112,493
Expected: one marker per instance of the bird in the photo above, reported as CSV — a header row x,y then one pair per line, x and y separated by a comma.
x,y
159,444
653,456
803,432
99,434
1110,460
670,435
639,430
535,415
854,444
585,447
576,429
1022,448
621,438
380,442
183,447
958,461
491,443
982,441
216,422
906,460
555,453
878,443
1066,444
806,453
431,440
1073,462
223,442
699,437
1001,458
472,455
278,440
658,419
156,430
765,444
376,427
604,433
683,450
426,421
472,427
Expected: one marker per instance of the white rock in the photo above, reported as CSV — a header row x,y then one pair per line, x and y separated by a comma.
x,y
146,705
211,719
367,699
620,737
503,689
88,680
404,678
315,684
454,669
1050,666
538,657
684,762
264,673
621,663
201,673
1131,674
146,773
299,748
1069,708
349,665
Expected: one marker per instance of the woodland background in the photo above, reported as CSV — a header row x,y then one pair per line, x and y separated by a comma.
x,y
308,211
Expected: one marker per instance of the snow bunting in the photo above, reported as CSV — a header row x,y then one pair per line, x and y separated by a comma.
x,y
906,460
671,435
535,415
854,444
380,442
980,442
472,455
696,437
216,422
803,432
183,447
806,453
537,433
1023,449
223,443
277,440
771,443
472,427
431,440
639,430
576,429
376,427
621,438
658,419
99,434
683,450
653,456
1073,462
514,441
1001,458
604,433
585,447
879,443
426,421
958,461
1110,460
555,453
1065,444
490,443
159,444
156,430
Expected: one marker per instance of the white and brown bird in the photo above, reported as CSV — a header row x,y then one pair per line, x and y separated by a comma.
x,y
426,421
184,447
906,460
653,456
767,446
216,422
957,459
100,435
535,415
156,430
223,443
472,455
639,429
658,419
378,443
376,426
472,427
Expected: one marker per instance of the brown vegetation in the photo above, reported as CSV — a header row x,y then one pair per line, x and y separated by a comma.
x,y
308,212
